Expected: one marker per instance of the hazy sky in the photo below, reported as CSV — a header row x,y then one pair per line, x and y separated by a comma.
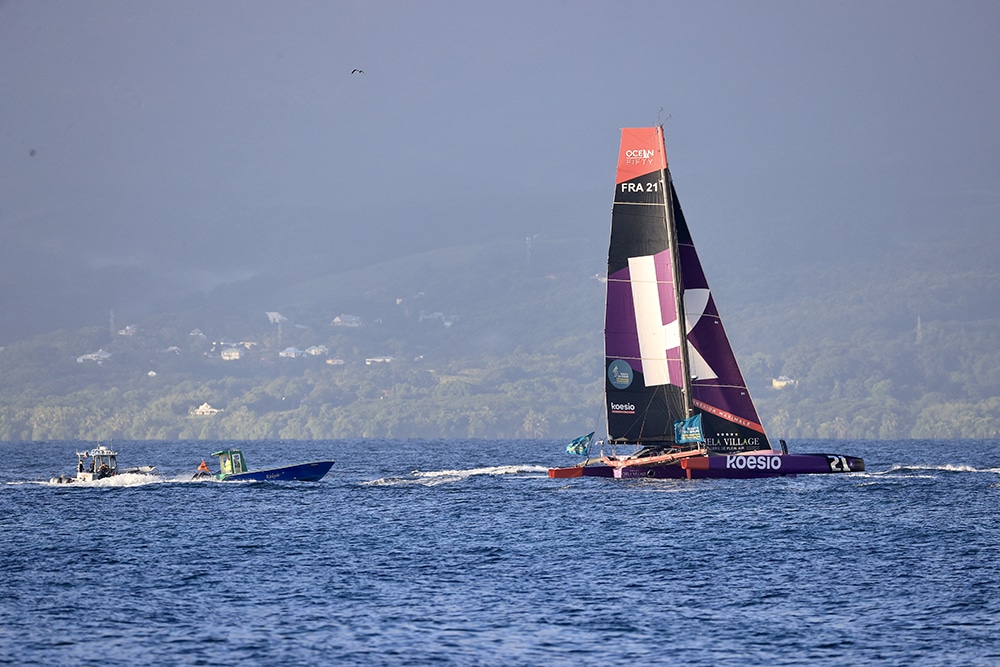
x,y
193,142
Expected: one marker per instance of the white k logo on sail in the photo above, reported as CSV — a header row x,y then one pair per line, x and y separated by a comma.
x,y
695,302
654,336
656,339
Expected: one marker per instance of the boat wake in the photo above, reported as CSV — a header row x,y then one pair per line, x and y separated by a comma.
x,y
122,480
437,477
931,471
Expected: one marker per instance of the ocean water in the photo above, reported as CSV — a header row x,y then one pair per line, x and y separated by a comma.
x,y
465,553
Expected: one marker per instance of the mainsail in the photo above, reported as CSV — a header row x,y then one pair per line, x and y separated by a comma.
x,y
656,289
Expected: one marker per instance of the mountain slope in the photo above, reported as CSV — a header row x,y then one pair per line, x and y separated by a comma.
x,y
504,340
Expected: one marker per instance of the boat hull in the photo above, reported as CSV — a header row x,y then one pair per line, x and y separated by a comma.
x,y
88,477
739,466
302,472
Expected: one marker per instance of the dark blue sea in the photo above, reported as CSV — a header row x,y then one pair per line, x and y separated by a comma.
x,y
466,553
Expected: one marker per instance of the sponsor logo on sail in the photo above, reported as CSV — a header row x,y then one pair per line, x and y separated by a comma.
x,y
639,156
728,416
622,408
620,374
733,443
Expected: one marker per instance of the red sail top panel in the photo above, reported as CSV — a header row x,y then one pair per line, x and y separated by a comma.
x,y
641,152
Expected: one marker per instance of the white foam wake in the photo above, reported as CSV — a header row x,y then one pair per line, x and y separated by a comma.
x,y
436,477
927,470
122,480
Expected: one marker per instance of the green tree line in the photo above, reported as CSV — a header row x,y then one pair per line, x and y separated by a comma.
x,y
901,361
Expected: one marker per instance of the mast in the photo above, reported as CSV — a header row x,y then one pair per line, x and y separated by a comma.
x,y
675,263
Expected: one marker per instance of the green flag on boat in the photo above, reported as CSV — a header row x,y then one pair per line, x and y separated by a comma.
x,y
581,444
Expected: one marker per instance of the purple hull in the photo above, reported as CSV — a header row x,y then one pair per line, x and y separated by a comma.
x,y
739,466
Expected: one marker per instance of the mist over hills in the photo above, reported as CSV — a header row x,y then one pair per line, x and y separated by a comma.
x,y
51,278
503,338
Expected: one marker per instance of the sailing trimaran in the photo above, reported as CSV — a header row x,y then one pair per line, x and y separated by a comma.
x,y
677,405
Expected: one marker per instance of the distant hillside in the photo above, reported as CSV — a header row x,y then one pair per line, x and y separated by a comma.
x,y
504,340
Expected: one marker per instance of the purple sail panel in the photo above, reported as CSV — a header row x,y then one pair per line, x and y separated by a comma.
x,y
641,324
712,357
718,389
621,341
669,321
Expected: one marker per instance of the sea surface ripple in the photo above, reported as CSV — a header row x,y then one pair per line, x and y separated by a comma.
x,y
419,552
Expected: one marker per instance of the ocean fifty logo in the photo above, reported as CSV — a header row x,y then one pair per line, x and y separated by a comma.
x,y
620,374
639,156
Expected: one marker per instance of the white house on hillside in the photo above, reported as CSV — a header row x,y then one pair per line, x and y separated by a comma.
x,y
347,321
100,357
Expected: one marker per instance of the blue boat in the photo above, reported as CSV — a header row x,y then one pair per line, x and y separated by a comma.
x,y
233,468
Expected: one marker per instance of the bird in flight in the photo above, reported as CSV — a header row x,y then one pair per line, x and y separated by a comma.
x,y
357,71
